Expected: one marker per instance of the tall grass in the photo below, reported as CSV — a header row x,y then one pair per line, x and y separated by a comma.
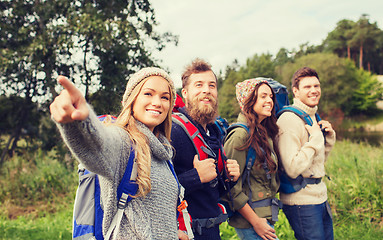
x,y
355,194
36,197
44,188
355,190
35,183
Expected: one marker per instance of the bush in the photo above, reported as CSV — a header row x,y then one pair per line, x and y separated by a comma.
x,y
33,180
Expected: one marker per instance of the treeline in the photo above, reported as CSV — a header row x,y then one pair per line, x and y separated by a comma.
x,y
97,43
347,61
100,43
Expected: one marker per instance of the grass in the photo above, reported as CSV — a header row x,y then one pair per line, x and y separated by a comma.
x,y
355,191
53,226
355,194
36,197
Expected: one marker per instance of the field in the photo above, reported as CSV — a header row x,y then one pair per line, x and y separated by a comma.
x,y
36,196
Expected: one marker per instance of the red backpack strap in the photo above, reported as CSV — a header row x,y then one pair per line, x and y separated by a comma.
x,y
202,149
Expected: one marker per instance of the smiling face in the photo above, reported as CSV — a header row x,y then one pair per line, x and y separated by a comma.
x,y
264,104
201,97
152,104
308,91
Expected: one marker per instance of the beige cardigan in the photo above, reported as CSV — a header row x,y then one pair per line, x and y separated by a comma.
x,y
303,154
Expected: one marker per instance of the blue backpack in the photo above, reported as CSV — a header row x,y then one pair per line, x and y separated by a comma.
x,y
288,185
88,211
281,95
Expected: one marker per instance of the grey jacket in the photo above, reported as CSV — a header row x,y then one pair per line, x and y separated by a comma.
x,y
105,151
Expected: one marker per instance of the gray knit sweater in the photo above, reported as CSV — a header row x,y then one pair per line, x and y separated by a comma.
x,y
105,151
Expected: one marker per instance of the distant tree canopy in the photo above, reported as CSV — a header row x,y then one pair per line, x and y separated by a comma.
x,y
360,41
345,88
100,43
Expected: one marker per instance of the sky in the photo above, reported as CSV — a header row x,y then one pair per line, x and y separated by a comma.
x,y
220,31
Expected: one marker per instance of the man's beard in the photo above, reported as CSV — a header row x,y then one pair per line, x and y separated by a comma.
x,y
205,114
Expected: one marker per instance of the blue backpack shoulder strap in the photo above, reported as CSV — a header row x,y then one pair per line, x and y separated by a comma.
x,y
250,157
235,125
303,115
125,189
128,182
251,150
251,154
300,113
173,172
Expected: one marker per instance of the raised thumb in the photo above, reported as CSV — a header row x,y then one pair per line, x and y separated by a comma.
x,y
195,159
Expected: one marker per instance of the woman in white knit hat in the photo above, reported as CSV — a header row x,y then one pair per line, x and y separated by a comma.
x,y
253,197
144,124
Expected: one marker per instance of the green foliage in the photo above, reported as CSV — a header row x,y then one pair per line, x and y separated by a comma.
x,y
19,119
338,76
54,226
117,38
282,229
34,43
98,42
355,190
355,195
12,109
227,232
336,41
361,41
34,178
228,107
366,96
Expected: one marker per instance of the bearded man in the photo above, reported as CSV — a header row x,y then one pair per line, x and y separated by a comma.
x,y
204,180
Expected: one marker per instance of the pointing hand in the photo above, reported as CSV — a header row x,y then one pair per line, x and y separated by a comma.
x,y
70,105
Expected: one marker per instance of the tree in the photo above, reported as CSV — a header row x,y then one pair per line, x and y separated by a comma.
x,y
283,56
343,86
40,39
30,46
305,49
364,37
360,41
11,108
337,40
364,98
118,37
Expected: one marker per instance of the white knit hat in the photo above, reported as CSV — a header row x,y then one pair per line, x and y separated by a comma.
x,y
144,73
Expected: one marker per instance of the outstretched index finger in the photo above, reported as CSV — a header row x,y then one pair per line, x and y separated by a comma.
x,y
68,85
81,111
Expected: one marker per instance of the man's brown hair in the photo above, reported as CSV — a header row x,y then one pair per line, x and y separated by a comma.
x,y
197,66
301,73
